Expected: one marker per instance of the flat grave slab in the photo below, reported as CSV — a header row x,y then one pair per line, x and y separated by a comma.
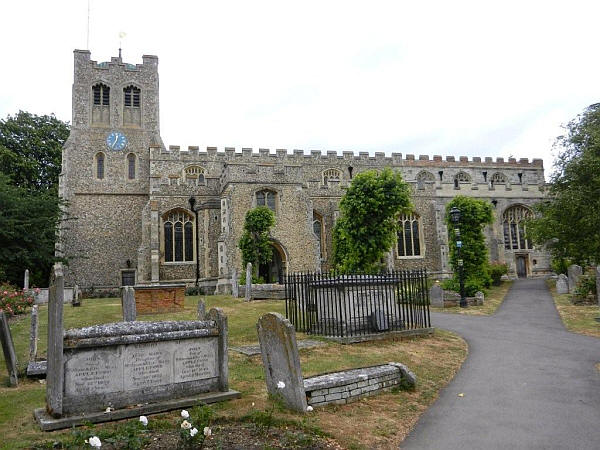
x,y
252,350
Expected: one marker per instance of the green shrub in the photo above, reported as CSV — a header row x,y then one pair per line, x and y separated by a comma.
x,y
472,285
496,271
585,286
560,265
14,301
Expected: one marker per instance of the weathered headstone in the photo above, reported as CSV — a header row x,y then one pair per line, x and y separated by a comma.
x,y
248,295
33,334
598,284
574,272
76,296
436,296
55,368
281,361
562,284
479,297
26,280
235,287
9,350
201,310
128,304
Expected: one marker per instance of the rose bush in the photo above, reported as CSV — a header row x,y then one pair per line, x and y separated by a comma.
x,y
13,300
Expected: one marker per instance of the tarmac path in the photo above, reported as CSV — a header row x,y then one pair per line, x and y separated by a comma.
x,y
528,383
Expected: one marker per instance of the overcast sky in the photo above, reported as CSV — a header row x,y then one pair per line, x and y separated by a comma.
x,y
475,78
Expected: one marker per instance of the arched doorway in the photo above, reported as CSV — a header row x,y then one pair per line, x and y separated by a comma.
x,y
274,271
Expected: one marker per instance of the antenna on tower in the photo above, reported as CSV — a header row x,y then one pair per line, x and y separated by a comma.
x,y
122,34
87,43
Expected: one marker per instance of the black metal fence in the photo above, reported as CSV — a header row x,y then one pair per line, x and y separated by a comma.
x,y
331,304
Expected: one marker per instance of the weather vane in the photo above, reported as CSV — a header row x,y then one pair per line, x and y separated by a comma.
x,y
122,34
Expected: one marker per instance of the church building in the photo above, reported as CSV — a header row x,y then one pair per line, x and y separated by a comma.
x,y
130,220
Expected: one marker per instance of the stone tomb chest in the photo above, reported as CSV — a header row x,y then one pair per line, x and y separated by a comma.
x,y
161,298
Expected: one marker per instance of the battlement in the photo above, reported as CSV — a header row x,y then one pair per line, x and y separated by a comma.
x,y
264,155
84,57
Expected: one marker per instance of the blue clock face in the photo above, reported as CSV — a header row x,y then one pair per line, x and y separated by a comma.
x,y
116,141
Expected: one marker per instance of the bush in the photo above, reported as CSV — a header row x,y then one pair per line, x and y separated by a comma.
x,y
14,301
560,265
472,285
496,271
585,286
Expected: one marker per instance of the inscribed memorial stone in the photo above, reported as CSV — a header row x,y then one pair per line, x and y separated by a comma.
x,y
562,284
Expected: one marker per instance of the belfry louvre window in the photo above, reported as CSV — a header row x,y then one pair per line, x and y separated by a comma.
x,y
513,223
331,175
266,198
101,95
132,96
409,236
178,230
194,176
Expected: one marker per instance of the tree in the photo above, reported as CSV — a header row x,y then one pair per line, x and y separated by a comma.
x,y
475,215
30,149
367,227
568,222
28,222
255,242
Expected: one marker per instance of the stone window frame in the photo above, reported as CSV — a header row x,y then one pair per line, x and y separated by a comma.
x,y
128,168
194,172
498,178
424,176
104,86
321,221
124,87
174,180
174,216
331,175
411,219
461,177
514,229
100,169
267,189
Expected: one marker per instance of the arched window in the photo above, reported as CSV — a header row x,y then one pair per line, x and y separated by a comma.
x,y
513,223
131,106
194,176
319,231
131,166
424,177
461,177
100,104
178,227
409,236
331,175
266,197
498,178
100,166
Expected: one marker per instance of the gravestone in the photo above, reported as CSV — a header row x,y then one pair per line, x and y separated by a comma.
x,y
598,284
10,358
235,287
248,295
562,284
128,304
379,320
33,333
54,366
479,297
26,280
574,272
76,296
281,362
201,310
436,296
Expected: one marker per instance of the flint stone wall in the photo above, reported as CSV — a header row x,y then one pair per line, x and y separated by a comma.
x,y
130,363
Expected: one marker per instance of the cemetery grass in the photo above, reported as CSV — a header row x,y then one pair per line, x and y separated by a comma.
x,y
381,421
493,299
576,318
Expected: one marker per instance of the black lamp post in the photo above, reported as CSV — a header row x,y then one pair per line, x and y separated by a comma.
x,y
455,216
192,201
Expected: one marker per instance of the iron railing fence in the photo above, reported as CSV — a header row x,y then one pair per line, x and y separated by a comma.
x,y
336,305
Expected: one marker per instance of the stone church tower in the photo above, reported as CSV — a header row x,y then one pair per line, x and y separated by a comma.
x,y
129,218
105,166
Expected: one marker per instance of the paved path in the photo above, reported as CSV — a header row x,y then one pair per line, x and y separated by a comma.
x,y
528,383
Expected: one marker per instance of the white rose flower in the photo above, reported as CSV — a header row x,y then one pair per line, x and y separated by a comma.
x,y
95,442
309,408
186,425
185,414
193,432
144,420
280,385
109,409
207,431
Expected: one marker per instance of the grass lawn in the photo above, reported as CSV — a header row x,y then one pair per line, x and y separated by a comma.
x,y
493,299
383,420
577,318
